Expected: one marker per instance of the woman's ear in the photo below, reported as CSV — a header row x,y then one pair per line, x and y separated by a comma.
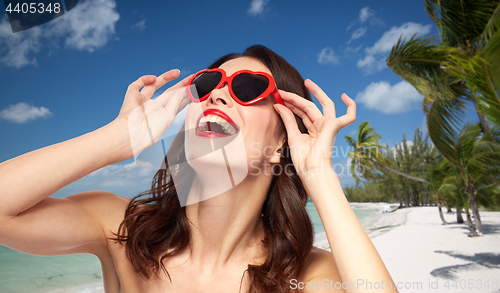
x,y
275,159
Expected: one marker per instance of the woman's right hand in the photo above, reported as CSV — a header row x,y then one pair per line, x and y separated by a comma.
x,y
148,119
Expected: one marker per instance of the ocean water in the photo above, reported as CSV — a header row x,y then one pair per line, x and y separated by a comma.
x,y
81,273
363,212
24,273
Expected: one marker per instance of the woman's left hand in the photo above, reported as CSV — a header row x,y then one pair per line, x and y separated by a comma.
x,y
312,153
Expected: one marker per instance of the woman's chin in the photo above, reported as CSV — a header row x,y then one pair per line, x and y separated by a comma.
x,y
202,143
217,161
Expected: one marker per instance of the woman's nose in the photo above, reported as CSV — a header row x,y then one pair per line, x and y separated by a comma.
x,y
220,96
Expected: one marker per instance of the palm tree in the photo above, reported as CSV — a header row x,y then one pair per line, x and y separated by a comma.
x,y
367,157
446,183
463,65
439,189
476,157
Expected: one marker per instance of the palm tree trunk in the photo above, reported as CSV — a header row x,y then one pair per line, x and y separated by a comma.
x,y
473,206
412,199
441,212
469,221
397,172
482,119
460,220
399,197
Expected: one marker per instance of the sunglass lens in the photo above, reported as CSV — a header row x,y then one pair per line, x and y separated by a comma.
x,y
206,82
248,86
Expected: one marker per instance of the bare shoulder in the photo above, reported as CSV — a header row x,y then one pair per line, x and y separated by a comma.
x,y
319,265
105,207
100,201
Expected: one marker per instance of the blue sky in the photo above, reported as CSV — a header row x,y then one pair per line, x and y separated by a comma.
x,y
69,76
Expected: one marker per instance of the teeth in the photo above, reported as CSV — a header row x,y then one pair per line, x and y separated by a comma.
x,y
228,128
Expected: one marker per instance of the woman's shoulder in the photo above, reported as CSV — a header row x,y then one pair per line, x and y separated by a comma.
x,y
319,266
101,201
104,207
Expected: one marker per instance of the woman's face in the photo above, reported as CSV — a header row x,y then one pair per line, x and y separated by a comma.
x,y
255,142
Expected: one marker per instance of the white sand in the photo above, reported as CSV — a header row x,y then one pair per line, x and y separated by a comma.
x,y
424,255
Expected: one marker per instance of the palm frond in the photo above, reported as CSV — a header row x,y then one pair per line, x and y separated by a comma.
x,y
351,141
463,22
421,62
432,8
481,75
442,120
466,141
489,195
367,134
492,59
491,27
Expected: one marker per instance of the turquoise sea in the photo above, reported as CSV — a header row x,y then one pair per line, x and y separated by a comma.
x,y
81,273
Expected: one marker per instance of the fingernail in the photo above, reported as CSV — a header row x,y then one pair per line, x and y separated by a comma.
x,y
276,108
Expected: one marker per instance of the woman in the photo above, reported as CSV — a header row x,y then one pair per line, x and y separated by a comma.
x,y
254,236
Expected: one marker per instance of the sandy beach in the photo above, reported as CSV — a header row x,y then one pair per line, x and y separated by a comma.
x,y
423,255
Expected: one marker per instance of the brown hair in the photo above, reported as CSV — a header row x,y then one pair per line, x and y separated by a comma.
x,y
156,227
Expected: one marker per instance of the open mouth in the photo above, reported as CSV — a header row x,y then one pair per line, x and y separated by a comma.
x,y
215,123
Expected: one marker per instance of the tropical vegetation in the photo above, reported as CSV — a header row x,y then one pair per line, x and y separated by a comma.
x,y
396,175
457,69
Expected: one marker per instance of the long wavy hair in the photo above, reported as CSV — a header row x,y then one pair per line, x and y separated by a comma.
x,y
155,226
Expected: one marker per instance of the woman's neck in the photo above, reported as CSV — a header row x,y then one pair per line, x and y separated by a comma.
x,y
227,228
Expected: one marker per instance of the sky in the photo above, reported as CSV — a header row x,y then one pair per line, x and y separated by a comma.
x,y
68,77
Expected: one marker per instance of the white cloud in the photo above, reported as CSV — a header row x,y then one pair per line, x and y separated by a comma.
x,y
365,13
349,50
124,179
357,34
381,96
370,64
257,7
119,175
327,56
22,113
391,37
409,144
87,27
374,60
18,45
141,25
